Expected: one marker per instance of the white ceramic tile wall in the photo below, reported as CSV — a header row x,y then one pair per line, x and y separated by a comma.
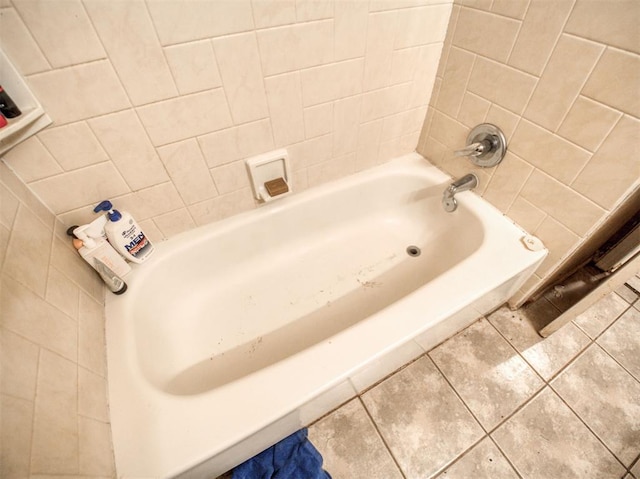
x,y
53,390
155,105
170,96
561,79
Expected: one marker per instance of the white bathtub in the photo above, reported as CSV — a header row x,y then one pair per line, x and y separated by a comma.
x,y
238,333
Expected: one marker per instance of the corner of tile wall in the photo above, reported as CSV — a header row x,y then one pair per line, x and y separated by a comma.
x,y
53,393
159,118
166,106
574,151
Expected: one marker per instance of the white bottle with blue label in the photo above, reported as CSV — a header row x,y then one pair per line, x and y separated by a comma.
x,y
125,234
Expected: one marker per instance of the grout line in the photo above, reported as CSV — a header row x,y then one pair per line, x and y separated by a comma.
x,y
594,434
384,442
579,90
504,454
33,412
592,154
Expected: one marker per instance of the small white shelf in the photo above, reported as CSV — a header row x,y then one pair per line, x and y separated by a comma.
x,y
33,118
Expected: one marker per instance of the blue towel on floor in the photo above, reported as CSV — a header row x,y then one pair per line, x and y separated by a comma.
x,y
292,458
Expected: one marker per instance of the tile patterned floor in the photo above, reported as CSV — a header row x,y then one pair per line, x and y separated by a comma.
x,y
498,401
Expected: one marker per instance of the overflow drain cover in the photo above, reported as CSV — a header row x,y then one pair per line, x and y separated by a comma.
x,y
413,251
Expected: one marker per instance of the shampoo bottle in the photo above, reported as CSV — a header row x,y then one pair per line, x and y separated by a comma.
x,y
125,235
92,245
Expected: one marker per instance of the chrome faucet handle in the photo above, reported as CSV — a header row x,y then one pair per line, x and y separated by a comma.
x,y
474,149
486,146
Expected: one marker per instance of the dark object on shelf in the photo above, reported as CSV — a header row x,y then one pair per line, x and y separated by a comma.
x,y
7,107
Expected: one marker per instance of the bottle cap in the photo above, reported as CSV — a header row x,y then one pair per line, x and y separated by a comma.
x,y
114,215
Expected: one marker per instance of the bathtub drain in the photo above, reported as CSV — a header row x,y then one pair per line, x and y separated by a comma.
x,y
413,251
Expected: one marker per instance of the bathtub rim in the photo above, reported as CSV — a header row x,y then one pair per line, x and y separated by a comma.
x,y
161,403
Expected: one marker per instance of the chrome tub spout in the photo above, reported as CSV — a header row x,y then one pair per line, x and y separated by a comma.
x,y
467,182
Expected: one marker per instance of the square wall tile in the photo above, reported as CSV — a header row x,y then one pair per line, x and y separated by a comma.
x,y
193,66
568,207
18,43
19,365
501,84
456,75
174,222
422,25
423,422
82,187
55,425
134,51
92,396
613,165
381,31
242,81
331,82
73,146
615,25
31,161
62,293
28,251
561,83
95,452
178,22
152,201
185,117
67,38
125,140
17,421
284,96
350,29
188,170
295,47
548,152
492,37
614,81
267,13
540,30
236,143
79,92
588,123
506,182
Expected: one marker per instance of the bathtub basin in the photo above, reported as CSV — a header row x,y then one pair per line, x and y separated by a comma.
x,y
238,333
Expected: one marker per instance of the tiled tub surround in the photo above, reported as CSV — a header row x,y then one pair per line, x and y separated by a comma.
x,y
54,418
155,104
222,337
561,79
485,404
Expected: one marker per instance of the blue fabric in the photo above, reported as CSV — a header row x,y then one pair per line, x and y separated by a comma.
x,y
292,458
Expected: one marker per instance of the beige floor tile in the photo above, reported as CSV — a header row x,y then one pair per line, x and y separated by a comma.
x,y
627,294
636,469
611,408
545,355
546,440
484,461
621,341
490,376
423,422
350,445
599,316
